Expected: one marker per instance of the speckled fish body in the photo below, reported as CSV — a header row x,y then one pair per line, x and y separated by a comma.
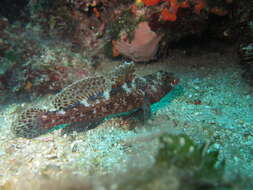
x,y
100,98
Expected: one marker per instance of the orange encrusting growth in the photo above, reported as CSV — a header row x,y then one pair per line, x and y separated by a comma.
x,y
166,15
219,11
151,2
200,4
169,12
96,12
134,9
115,52
184,4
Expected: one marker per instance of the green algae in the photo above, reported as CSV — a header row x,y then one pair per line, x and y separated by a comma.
x,y
125,22
196,165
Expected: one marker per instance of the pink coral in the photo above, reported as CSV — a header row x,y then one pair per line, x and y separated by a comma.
x,y
144,45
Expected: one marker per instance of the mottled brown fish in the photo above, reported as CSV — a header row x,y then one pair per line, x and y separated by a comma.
x,y
91,99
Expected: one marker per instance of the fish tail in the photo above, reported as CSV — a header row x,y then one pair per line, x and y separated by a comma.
x,y
27,124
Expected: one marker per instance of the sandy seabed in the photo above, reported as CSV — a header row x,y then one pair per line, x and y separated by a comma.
x,y
211,102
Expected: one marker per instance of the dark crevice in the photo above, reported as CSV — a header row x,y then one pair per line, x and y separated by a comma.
x,y
13,9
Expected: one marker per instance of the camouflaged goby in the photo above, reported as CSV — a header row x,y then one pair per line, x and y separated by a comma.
x,y
91,99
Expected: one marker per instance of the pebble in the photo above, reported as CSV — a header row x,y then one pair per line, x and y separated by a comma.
x,y
2,153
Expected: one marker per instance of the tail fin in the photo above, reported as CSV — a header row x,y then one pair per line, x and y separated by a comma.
x,y
26,124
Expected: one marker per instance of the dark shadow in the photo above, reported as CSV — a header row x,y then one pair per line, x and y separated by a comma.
x,y
80,127
13,9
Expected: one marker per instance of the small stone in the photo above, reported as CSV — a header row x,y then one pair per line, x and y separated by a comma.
x,y
51,156
2,153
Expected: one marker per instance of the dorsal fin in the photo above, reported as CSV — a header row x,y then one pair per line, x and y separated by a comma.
x,y
123,73
87,89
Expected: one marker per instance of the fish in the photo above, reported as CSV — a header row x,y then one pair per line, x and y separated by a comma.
x,y
94,98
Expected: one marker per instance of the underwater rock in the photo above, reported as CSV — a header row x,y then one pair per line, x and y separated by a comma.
x,y
245,51
29,66
82,23
170,20
91,25
245,34
13,9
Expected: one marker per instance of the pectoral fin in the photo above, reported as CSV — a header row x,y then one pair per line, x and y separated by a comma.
x,y
146,109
